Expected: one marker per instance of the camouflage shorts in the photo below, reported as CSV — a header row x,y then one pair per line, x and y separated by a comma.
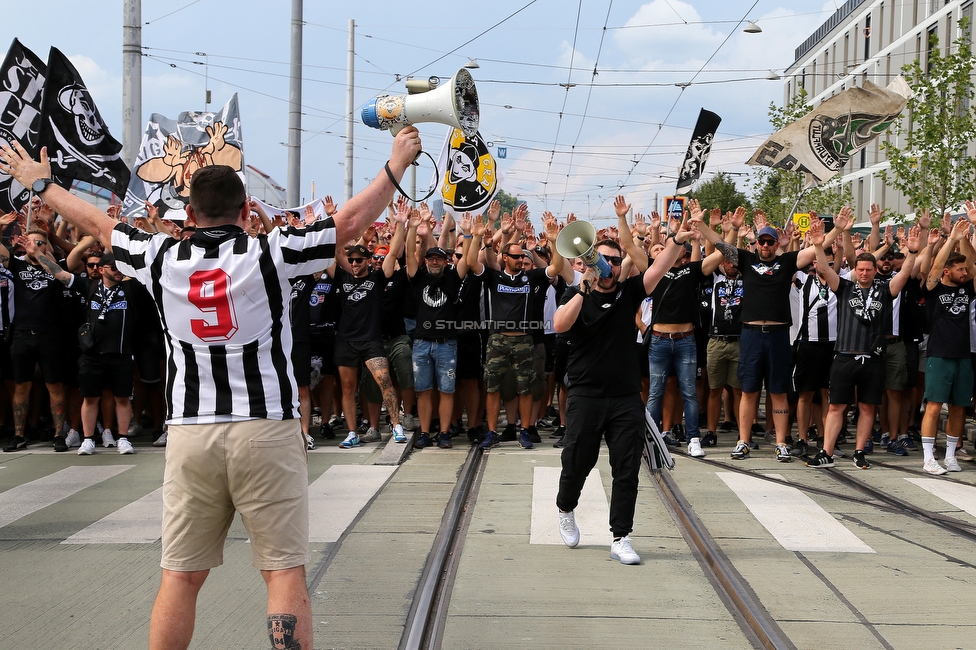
x,y
506,352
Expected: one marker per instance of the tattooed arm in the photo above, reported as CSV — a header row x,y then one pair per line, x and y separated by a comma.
x,y
51,266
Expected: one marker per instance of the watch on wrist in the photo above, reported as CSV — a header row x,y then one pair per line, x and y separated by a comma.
x,y
41,184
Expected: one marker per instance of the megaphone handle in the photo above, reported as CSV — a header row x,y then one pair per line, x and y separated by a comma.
x,y
399,189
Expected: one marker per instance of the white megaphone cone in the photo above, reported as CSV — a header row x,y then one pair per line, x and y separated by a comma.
x,y
455,104
576,240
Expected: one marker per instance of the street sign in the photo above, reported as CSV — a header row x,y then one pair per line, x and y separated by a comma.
x,y
802,222
674,206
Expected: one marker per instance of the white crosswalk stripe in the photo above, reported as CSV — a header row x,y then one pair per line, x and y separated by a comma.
x,y
961,496
592,513
336,498
792,518
140,522
28,498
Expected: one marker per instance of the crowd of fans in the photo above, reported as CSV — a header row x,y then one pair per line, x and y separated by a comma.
x,y
441,325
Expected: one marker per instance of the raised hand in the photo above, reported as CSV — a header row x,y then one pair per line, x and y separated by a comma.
x,y
309,215
620,206
738,217
912,242
521,214
695,209
508,224
465,224
960,230
655,220
640,227
493,210
759,219
815,235
875,214
329,205
924,219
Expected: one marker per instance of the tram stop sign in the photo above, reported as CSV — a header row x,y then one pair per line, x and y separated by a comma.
x,y
674,206
802,222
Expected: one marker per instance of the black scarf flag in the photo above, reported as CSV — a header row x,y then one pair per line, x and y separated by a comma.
x,y
78,143
698,149
21,86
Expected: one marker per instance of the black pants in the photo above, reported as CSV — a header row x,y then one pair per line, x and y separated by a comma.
x,y
620,420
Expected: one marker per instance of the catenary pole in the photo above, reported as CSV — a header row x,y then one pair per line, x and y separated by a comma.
x,y
295,108
131,80
350,106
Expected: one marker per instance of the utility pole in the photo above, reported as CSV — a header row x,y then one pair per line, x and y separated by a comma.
x,y
131,80
350,106
295,108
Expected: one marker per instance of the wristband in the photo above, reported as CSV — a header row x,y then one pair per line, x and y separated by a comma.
x,y
640,238
452,230
466,236
911,251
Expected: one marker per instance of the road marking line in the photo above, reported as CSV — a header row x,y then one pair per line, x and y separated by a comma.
x,y
961,496
140,522
792,518
28,498
592,512
336,498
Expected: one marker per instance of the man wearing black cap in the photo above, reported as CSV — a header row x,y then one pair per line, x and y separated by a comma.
x,y
764,345
107,361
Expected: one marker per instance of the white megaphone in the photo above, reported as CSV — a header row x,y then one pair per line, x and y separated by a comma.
x,y
455,104
576,240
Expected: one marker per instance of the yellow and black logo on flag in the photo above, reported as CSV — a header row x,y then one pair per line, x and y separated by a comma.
x,y
467,173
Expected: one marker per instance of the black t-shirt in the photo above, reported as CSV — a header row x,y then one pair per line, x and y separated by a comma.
x,y
323,306
360,297
395,292
676,295
38,298
947,308
509,299
301,293
726,305
601,360
766,287
861,316
109,314
437,308
469,310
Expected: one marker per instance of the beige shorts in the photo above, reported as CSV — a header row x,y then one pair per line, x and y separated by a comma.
x,y
258,468
722,363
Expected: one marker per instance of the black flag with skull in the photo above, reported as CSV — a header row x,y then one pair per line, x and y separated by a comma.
x,y
21,85
77,140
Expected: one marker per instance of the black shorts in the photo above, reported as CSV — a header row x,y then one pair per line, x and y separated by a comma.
x,y
29,349
562,356
96,372
643,360
811,365
149,352
550,342
858,379
6,364
470,361
323,347
352,353
301,361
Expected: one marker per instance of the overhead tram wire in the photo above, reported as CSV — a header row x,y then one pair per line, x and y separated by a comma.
x,y
678,98
559,120
586,106
175,11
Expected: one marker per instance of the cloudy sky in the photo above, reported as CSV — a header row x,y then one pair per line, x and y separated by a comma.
x,y
574,139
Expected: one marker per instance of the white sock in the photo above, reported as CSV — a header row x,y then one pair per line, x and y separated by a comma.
x,y
928,448
951,443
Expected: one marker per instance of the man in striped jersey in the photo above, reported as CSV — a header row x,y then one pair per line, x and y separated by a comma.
x,y
234,440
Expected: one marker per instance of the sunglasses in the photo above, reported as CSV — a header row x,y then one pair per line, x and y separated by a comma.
x,y
458,255
92,266
614,259
111,268
515,257
379,257
357,260
766,242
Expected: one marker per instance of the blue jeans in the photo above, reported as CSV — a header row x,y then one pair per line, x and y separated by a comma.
x,y
683,353
434,361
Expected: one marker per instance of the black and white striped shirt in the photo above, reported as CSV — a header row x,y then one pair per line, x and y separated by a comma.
x,y
223,299
814,308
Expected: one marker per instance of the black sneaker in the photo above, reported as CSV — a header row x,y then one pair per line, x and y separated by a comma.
x,y
475,434
670,440
60,444
327,431
559,432
423,440
789,441
508,434
17,443
560,443
821,460
444,441
860,461
534,435
678,432
800,448
552,411
725,427
709,440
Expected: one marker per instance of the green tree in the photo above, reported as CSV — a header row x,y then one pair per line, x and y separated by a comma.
x,y
931,168
720,192
776,191
507,201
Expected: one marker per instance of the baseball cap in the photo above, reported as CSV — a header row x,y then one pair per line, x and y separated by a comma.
x,y
108,259
436,250
359,250
381,250
768,231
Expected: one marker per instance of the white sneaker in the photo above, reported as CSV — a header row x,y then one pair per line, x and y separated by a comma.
x,y
87,447
108,440
952,465
309,442
694,448
72,439
932,467
409,422
621,550
161,440
568,529
125,447
135,429
398,434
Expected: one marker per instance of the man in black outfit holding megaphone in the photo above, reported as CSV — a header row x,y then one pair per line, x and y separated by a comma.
x,y
604,387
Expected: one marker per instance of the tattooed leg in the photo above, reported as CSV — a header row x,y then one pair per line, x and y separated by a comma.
x,y
21,404
289,609
56,392
281,629
380,368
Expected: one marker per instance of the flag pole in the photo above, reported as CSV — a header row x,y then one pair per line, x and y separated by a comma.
x,y
30,204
